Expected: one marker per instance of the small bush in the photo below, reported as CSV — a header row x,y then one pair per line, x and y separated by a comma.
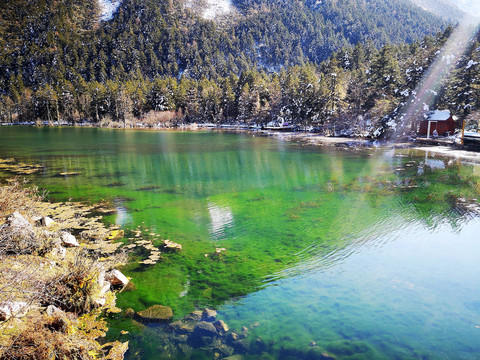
x,y
160,118
75,290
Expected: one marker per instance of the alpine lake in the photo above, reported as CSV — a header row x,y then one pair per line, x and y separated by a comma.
x,y
304,252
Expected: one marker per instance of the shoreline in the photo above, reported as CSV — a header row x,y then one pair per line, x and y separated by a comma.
x,y
301,137
59,277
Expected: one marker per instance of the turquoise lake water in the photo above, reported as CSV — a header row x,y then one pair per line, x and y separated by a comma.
x,y
358,254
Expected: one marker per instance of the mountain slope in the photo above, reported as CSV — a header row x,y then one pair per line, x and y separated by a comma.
x,y
65,40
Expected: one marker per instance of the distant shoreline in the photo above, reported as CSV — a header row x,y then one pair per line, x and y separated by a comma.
x,y
302,137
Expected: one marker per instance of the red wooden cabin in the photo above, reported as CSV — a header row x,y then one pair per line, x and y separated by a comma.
x,y
439,120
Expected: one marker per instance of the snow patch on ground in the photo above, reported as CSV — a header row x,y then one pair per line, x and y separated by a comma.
x,y
108,8
211,9
470,64
216,8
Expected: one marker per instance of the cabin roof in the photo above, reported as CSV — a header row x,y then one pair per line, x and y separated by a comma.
x,y
438,115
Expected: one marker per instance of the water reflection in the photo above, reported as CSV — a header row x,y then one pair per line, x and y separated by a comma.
x,y
123,217
221,219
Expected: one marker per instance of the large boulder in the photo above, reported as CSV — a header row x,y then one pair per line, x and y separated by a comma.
x,y
11,309
116,278
155,313
69,240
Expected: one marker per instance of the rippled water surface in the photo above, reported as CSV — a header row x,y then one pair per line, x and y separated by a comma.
x,y
366,254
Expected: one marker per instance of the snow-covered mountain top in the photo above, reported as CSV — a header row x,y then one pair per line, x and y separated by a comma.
x,y
108,8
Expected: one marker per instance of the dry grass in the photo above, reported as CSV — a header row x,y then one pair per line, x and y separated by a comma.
x,y
51,337
17,197
161,118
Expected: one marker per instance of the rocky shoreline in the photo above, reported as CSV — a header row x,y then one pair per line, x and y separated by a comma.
x,y
58,275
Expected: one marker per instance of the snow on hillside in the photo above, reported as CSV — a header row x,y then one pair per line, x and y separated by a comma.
x,y
216,8
471,7
108,8
211,9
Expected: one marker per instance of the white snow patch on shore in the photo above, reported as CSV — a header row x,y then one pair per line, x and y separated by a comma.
x,y
108,8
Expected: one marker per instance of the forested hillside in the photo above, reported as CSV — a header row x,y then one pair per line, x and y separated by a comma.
x,y
325,64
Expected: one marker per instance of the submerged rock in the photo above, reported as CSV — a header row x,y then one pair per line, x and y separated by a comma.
x,y
129,313
116,234
209,315
221,327
194,316
170,245
317,353
242,346
181,328
234,357
155,313
260,344
223,350
232,337
130,287
204,328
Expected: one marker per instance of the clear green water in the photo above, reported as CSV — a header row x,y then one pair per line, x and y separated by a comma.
x,y
365,253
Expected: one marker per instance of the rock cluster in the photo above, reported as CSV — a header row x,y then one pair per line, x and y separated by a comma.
x,y
199,329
